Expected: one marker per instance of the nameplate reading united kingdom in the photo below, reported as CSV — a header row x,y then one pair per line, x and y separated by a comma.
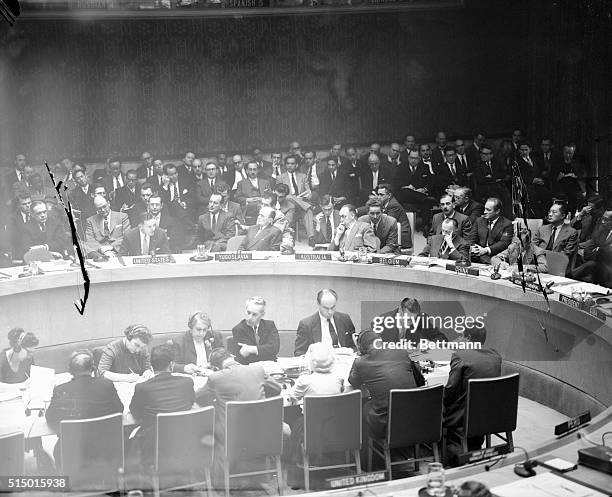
x,y
472,271
313,256
239,256
157,259
361,479
390,261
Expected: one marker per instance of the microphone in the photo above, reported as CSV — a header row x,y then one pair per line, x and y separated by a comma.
x,y
525,469
496,274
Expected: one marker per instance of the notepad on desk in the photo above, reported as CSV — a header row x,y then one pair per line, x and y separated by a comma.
x,y
545,485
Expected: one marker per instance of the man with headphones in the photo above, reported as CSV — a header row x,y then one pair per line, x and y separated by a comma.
x,y
127,358
82,397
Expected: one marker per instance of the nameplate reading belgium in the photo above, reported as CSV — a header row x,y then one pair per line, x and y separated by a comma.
x,y
241,256
390,261
314,256
157,259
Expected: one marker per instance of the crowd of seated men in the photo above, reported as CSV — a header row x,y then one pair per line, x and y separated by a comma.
x,y
341,201
235,372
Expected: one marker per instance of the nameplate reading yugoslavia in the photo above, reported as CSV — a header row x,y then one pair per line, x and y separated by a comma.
x,y
157,259
482,454
240,256
390,261
314,256
472,271
354,480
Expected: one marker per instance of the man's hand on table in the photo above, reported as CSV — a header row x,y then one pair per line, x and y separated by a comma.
x,y
247,350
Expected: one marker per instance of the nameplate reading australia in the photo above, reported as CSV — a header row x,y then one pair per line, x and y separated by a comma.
x,y
241,256
313,256
390,261
483,454
157,259
471,271
354,480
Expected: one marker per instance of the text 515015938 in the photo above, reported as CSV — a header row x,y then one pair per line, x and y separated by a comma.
x,y
29,483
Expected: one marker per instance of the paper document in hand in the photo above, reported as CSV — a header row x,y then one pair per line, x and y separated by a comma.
x,y
42,381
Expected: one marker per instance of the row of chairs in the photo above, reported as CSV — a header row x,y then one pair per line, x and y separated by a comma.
x,y
92,449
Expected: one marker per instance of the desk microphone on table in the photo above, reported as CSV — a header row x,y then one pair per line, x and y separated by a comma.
x,y
525,469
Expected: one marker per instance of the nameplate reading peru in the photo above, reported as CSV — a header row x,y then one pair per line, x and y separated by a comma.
x,y
316,256
246,256
390,261
158,259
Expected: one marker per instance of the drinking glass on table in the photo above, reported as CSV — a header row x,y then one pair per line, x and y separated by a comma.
x,y
435,479
201,251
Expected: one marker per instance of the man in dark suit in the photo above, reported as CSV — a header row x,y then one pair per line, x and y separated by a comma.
x,y
17,175
115,179
598,252
353,169
327,325
373,175
81,199
490,177
589,217
557,236
127,196
44,230
215,227
263,236
194,347
145,239
465,365
82,397
568,177
17,222
546,160
450,171
464,204
185,169
411,182
540,195
326,221
439,151
409,323
473,150
175,229
178,193
299,195
384,227
312,168
466,230
494,232
274,169
263,165
235,173
448,244
254,338
162,393
394,209
335,183
157,180
227,205
380,370
249,192
374,149
207,185
145,171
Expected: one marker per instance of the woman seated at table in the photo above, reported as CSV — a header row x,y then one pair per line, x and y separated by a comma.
x,y
193,348
320,381
127,358
15,362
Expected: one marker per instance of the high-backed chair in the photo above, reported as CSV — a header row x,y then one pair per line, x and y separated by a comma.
x,y
415,418
184,447
332,424
234,243
253,429
491,409
557,262
92,454
12,447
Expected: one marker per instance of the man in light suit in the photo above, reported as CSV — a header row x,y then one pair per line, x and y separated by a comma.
x,y
557,236
465,365
326,221
215,227
145,239
254,338
263,236
352,234
448,244
106,229
327,325
494,232
464,224
249,192
383,226
299,193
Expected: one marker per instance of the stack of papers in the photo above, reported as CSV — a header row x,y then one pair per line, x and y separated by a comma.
x,y
581,288
545,485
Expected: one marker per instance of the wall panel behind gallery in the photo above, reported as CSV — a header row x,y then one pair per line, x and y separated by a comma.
x,y
90,89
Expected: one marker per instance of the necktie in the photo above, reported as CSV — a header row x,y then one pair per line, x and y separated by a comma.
x,y
27,218
333,175
490,168
145,245
374,180
332,332
18,175
462,162
294,183
213,224
106,228
149,171
212,183
115,183
551,242
443,248
173,191
309,177
328,228
276,172
43,228
489,227
453,170
412,169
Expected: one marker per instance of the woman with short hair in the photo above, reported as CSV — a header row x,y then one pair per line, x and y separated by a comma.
x,y
15,361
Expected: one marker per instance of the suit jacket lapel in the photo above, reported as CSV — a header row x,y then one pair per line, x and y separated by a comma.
x,y
559,237
316,329
349,238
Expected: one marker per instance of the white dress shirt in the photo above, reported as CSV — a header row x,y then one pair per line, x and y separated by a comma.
x,y
326,338
200,349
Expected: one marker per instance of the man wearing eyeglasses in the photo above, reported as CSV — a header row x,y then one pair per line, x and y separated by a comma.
x,y
105,229
44,231
207,185
249,192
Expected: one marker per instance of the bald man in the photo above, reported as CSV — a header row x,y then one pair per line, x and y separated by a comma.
x,y
376,173
263,235
105,230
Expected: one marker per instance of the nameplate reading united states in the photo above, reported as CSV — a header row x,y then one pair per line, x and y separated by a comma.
x,y
314,256
483,454
390,261
158,259
240,256
472,271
